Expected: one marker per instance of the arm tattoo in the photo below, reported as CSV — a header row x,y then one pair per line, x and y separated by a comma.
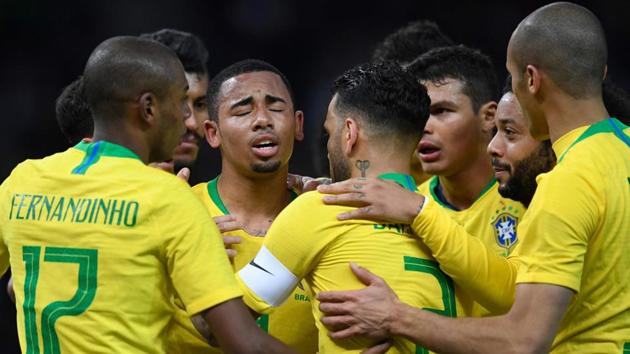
x,y
362,165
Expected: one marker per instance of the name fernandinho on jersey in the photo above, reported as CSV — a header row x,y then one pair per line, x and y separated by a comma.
x,y
36,207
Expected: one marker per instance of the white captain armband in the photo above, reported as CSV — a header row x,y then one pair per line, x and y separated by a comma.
x,y
268,278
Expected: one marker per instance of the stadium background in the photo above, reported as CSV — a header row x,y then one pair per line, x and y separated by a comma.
x,y
44,46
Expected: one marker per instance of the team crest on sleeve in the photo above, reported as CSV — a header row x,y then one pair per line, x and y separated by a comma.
x,y
505,230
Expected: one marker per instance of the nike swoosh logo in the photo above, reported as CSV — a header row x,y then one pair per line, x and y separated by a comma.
x,y
259,267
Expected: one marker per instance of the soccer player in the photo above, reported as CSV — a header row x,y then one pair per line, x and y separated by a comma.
x,y
374,120
405,45
572,286
98,242
517,158
462,86
194,56
254,124
410,41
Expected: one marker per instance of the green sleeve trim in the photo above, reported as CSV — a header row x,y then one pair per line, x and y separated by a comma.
x,y
213,192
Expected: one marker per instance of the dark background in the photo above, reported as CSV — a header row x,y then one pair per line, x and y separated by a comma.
x,y
44,46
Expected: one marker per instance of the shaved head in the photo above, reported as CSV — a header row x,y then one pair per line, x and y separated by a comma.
x,y
567,42
121,69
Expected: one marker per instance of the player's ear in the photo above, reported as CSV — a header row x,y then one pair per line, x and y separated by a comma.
x,y
213,137
147,107
299,125
533,79
350,135
487,113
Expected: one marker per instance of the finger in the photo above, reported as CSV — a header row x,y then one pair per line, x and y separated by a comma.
x,y
294,181
364,275
231,240
363,213
184,174
224,218
334,308
379,348
164,166
231,253
346,186
345,333
229,226
336,296
352,199
337,323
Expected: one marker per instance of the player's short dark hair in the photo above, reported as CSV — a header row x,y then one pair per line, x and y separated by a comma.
x,y
188,47
236,69
387,98
73,113
411,41
567,41
121,69
473,68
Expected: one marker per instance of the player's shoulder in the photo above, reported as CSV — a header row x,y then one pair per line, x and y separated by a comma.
x,y
425,187
33,167
308,200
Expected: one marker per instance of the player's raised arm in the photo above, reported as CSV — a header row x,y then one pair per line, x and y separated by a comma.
x,y
488,277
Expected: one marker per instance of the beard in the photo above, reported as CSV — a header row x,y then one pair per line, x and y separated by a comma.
x,y
339,168
266,166
521,186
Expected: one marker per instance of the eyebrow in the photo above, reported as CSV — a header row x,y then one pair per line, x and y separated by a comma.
x,y
443,103
507,120
244,102
272,99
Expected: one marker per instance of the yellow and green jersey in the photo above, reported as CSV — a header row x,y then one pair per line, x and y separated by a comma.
x,y
306,241
578,237
491,218
292,323
98,243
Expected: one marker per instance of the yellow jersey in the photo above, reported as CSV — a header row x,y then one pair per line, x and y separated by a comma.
x,y
306,241
292,323
98,243
578,237
491,218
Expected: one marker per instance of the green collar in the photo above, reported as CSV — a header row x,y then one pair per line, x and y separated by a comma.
x,y
610,125
94,151
213,192
438,196
406,181
108,149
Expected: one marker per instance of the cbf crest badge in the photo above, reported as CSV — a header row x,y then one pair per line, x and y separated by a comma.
x,y
505,230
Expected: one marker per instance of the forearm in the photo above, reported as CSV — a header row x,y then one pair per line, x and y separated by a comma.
x,y
463,335
236,330
486,276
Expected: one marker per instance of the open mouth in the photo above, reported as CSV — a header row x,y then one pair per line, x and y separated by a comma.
x,y
429,152
265,147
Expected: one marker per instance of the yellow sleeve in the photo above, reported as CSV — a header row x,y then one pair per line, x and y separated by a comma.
x,y
486,276
195,256
291,248
563,213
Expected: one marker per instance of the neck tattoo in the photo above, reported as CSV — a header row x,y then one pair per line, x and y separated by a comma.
x,y
362,165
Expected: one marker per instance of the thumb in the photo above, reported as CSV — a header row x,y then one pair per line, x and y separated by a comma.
x,y
364,275
184,174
